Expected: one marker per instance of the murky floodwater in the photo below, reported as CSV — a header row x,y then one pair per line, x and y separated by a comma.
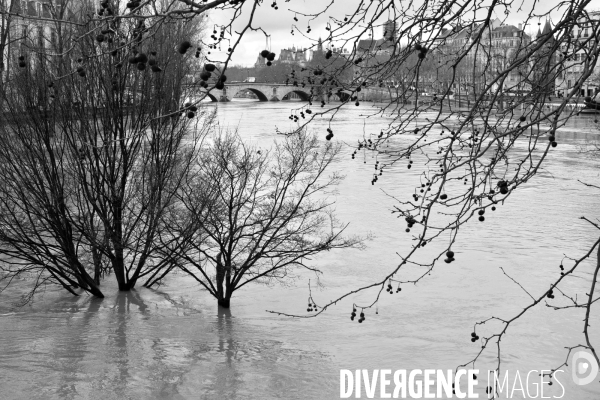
x,y
173,343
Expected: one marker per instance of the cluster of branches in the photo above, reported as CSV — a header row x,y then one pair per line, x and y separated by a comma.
x,y
266,212
107,173
92,159
470,152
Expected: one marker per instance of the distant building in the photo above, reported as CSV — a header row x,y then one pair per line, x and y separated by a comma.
x,y
260,62
574,65
544,61
498,46
29,29
295,56
385,45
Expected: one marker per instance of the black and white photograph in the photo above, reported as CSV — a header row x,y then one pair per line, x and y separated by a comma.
x,y
299,199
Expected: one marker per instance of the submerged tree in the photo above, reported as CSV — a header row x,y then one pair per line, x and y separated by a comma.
x,y
469,155
267,212
94,146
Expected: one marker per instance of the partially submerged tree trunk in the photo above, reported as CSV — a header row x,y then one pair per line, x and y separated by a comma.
x,y
223,281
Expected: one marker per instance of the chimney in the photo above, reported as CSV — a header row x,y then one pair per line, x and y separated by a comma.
x,y
520,26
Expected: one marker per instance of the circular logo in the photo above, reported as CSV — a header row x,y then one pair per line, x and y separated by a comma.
x,y
584,368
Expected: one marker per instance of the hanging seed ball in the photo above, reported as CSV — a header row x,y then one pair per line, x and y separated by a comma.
x,y
156,68
481,218
554,144
271,57
551,138
100,38
219,85
141,66
209,67
205,75
143,58
191,114
443,196
114,53
265,53
222,78
522,118
193,108
22,64
493,208
51,84
269,63
450,254
82,73
183,47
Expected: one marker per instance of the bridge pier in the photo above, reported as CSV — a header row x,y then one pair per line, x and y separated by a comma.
x,y
224,99
274,98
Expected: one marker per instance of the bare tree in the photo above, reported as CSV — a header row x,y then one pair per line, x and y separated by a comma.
x,y
268,212
468,155
94,147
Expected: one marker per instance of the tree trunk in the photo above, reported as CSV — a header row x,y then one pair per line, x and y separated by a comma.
x,y
97,265
224,302
223,293
120,273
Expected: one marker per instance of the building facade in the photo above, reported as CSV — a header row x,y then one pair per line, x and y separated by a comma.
x,y
575,56
489,48
295,55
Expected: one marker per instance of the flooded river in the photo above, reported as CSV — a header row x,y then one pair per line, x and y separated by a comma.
x,y
174,343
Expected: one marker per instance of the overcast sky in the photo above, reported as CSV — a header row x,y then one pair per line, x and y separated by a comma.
x,y
278,23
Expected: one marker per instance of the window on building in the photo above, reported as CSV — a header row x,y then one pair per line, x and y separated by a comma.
x,y
24,29
40,37
585,32
38,7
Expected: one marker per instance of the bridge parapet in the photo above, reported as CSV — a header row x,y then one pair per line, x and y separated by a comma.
x,y
278,92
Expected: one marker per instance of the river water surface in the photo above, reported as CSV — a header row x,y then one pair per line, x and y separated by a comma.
x,y
173,342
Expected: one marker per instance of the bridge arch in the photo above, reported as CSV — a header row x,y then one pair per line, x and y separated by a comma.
x,y
343,95
301,93
261,96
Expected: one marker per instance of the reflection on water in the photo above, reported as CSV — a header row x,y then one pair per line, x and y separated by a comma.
x,y
175,343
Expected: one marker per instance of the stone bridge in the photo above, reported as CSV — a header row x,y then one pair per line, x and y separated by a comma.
x,y
278,92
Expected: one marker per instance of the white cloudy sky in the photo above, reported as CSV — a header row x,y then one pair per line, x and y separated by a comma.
x,y
278,23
